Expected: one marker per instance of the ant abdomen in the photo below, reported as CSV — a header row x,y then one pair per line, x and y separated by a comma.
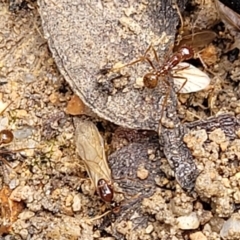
x,y
6,136
150,80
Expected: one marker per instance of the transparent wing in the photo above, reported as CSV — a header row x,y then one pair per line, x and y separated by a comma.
x,y
90,147
188,78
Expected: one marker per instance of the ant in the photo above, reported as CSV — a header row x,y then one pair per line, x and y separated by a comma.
x,y
6,137
90,147
195,79
150,79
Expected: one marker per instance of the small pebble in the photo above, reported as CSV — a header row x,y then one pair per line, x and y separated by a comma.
x,y
216,224
188,222
13,183
197,236
54,98
69,200
236,197
4,123
23,133
21,113
149,229
24,233
231,228
142,173
217,136
26,215
76,203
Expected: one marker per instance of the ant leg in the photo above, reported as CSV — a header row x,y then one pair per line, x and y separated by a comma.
x,y
164,105
6,105
180,68
148,49
204,64
184,83
141,59
90,220
190,113
5,162
181,18
150,62
156,56
177,69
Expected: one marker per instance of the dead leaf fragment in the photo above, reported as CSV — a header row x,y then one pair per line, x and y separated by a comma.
x,y
9,209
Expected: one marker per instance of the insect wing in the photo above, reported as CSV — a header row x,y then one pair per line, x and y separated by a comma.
x,y
228,15
188,78
197,40
90,147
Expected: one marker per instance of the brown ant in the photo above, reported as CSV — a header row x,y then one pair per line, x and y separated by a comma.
x,y
186,78
150,80
6,137
90,147
183,53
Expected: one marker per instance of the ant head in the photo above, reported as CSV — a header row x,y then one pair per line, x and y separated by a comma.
x,y
187,52
105,190
150,80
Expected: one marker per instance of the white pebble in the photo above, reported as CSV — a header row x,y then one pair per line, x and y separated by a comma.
x,y
231,228
149,229
188,222
76,203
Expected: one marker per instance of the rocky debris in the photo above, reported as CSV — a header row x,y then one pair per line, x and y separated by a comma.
x,y
231,228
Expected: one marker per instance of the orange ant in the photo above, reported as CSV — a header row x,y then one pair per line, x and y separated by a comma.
x,y
194,79
150,80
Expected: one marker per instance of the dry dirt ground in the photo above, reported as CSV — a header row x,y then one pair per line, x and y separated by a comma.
x,y
45,191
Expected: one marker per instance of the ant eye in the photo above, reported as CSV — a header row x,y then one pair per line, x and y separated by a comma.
x,y
6,136
150,80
